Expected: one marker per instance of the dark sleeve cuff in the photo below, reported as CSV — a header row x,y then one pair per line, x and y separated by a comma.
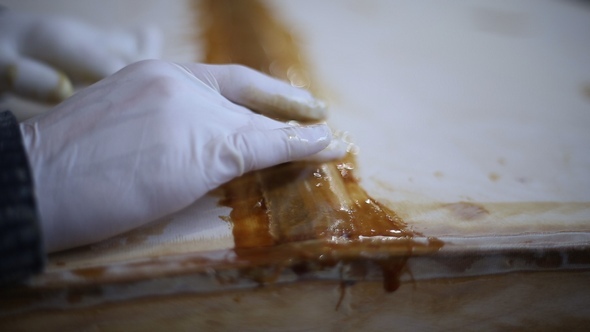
x,y
21,250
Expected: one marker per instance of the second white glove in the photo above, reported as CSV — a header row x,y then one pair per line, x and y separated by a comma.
x,y
40,55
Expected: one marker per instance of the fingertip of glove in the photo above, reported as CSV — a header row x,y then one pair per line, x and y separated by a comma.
x,y
30,79
316,136
339,147
62,91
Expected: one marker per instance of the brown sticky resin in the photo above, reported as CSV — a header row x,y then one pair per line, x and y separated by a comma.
x,y
307,216
304,216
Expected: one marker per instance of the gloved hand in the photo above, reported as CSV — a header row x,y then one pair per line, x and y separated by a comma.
x,y
151,139
40,55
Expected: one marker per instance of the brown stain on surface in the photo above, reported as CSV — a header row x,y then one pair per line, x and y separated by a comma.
x,y
586,91
249,210
300,215
494,176
90,272
532,301
467,210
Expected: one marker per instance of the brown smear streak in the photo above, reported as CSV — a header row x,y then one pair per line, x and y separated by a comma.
x,y
245,32
311,214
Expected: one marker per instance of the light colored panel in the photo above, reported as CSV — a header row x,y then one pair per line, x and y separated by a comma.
x,y
448,101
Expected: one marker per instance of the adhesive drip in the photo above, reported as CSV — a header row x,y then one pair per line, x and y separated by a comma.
x,y
312,215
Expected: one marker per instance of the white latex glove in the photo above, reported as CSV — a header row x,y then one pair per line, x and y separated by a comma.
x,y
40,55
150,140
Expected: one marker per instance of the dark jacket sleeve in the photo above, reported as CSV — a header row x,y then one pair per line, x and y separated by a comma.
x,y
21,250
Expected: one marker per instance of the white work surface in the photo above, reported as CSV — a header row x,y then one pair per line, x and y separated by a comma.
x,y
448,101
455,101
